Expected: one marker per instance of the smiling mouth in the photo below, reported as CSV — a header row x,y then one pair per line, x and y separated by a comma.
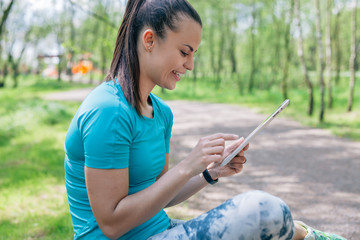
x,y
177,75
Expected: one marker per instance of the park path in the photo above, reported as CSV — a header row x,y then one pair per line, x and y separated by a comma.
x,y
314,172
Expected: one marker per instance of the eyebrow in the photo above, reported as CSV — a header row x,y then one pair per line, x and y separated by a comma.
x,y
190,47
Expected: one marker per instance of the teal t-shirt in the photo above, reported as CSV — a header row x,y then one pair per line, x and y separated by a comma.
x,y
106,132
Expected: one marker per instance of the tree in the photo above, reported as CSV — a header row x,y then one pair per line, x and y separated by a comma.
x,y
71,52
5,16
220,64
321,64
328,52
337,52
302,58
284,84
253,48
352,56
13,60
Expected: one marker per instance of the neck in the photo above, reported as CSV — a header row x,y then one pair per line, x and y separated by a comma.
x,y
146,86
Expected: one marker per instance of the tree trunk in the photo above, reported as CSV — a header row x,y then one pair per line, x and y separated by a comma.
x,y
5,15
212,49
72,42
320,60
15,65
276,63
338,55
284,81
352,56
5,73
328,53
59,67
302,58
252,43
2,78
221,52
232,48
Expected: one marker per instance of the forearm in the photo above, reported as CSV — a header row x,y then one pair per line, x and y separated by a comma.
x,y
141,206
194,185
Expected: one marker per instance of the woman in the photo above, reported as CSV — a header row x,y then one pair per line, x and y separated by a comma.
x,y
117,145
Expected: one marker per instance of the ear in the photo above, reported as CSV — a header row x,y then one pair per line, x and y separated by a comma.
x,y
148,39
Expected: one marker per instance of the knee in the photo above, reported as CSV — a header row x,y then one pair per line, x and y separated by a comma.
x,y
266,213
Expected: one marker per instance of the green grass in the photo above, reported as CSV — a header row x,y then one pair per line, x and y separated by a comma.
x,y
337,120
33,202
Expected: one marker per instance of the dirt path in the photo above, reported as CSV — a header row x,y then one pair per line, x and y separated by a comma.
x,y
315,173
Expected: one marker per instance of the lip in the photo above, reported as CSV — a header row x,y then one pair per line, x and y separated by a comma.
x,y
177,78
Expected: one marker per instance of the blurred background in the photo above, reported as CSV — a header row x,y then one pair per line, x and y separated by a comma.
x,y
254,53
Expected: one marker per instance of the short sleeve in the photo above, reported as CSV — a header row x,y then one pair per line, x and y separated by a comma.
x,y
106,135
168,130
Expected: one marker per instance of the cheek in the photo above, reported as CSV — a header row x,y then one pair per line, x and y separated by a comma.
x,y
163,63
169,58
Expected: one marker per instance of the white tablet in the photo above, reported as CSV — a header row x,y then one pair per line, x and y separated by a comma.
x,y
253,133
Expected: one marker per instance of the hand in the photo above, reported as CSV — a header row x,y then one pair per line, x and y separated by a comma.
x,y
209,150
234,166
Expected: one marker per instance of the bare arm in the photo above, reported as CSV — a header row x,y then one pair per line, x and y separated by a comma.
x,y
116,212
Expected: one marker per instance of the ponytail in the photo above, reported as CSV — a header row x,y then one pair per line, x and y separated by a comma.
x,y
124,57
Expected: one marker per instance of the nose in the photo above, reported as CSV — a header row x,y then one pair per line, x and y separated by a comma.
x,y
189,64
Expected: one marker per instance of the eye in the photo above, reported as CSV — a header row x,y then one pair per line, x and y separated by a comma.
x,y
184,54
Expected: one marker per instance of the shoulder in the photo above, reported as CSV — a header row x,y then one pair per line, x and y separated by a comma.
x,y
105,104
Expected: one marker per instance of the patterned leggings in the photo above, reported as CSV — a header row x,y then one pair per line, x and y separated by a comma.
x,y
253,215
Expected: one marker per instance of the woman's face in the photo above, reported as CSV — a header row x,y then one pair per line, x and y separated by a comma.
x,y
169,58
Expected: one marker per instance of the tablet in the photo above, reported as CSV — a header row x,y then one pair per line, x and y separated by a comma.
x,y
255,132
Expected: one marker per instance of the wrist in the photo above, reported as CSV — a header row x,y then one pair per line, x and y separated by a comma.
x,y
208,177
213,174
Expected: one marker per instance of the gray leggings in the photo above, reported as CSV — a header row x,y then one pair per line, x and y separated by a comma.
x,y
252,215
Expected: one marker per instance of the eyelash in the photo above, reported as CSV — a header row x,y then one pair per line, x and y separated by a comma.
x,y
184,54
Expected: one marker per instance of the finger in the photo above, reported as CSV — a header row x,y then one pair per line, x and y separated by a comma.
x,y
238,142
217,142
246,147
215,158
235,145
215,150
224,136
236,167
241,153
239,159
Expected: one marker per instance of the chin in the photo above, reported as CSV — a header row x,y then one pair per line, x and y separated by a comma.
x,y
173,86
170,86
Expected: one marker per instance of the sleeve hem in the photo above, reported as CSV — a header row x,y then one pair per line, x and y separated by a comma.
x,y
106,163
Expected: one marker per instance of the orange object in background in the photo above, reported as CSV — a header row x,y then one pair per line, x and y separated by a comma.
x,y
82,67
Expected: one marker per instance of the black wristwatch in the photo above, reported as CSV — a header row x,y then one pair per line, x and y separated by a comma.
x,y
208,178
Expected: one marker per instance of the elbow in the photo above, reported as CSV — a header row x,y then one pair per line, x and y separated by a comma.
x,y
110,231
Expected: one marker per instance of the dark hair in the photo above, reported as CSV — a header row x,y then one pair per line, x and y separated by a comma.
x,y
156,14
